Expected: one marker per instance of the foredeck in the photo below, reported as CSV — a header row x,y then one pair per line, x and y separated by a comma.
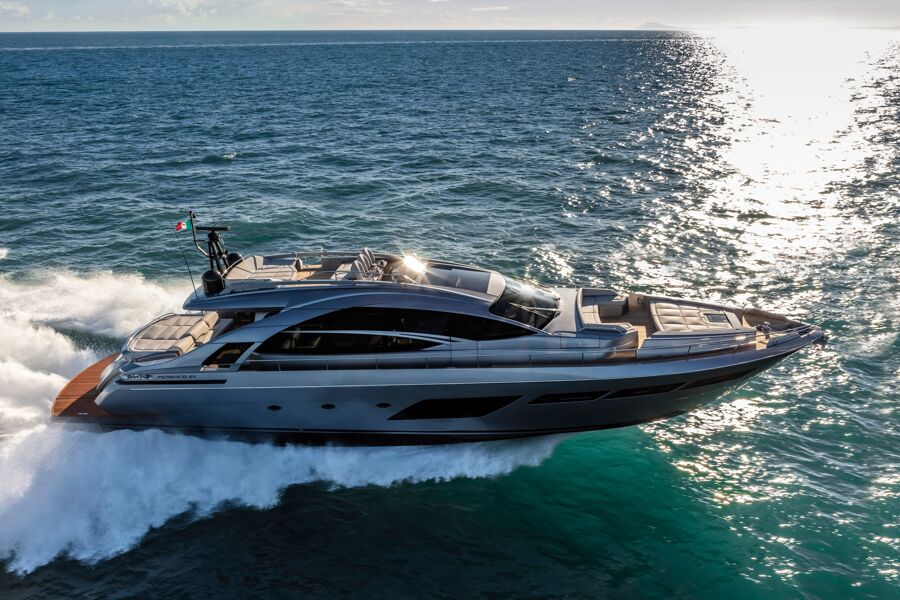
x,y
77,398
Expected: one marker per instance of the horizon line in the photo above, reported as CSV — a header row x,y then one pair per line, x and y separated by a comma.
x,y
649,27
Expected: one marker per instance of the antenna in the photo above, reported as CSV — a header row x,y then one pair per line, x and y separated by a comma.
x,y
191,216
186,264
215,246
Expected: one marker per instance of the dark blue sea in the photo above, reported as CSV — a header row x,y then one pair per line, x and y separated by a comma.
x,y
750,166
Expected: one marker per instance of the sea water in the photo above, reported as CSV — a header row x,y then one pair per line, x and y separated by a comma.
x,y
759,168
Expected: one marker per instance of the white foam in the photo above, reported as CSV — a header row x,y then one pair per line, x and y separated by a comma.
x,y
103,303
25,395
35,359
4,252
40,348
92,496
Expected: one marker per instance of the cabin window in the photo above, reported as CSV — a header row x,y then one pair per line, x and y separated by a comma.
x,y
226,356
364,318
428,322
462,278
295,341
576,397
453,408
526,304
719,379
644,391
480,329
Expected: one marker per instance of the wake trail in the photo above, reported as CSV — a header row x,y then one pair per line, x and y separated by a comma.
x,y
118,486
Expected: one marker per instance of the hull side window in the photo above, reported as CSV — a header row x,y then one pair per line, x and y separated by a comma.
x,y
453,408
576,397
644,391
719,379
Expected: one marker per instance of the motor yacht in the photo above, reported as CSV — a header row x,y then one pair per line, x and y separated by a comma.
x,y
364,347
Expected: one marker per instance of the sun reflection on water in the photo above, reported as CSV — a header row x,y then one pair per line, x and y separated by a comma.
x,y
785,131
770,213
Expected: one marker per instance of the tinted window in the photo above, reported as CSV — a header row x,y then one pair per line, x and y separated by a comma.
x,y
363,318
453,408
458,277
644,391
294,341
576,397
477,328
526,304
227,355
719,379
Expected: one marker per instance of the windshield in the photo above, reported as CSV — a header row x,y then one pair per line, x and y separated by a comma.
x,y
526,304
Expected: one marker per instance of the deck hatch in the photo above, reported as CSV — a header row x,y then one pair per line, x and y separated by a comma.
x,y
453,408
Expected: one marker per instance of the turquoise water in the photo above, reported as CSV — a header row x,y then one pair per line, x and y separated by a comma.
x,y
751,166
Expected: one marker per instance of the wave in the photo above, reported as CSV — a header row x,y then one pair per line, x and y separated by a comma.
x,y
93,496
216,159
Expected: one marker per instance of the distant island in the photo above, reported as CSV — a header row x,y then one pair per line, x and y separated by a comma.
x,y
657,27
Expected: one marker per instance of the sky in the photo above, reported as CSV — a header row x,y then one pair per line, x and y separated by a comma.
x,y
120,15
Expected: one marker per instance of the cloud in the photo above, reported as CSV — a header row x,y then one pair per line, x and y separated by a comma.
x,y
362,3
186,8
364,7
16,9
489,8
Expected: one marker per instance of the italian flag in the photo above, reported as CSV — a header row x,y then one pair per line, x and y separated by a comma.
x,y
184,225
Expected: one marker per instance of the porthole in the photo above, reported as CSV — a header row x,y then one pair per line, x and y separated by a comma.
x,y
274,407
328,406
383,405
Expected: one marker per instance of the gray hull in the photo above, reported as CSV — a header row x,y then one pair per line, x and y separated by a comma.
x,y
347,407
